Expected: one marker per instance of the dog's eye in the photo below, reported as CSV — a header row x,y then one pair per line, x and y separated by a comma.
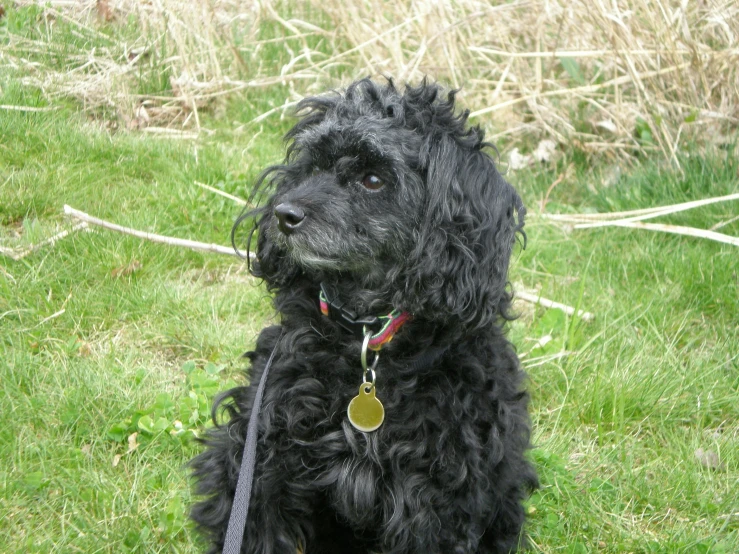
x,y
372,182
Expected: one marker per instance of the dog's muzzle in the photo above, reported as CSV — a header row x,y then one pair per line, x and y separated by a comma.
x,y
289,217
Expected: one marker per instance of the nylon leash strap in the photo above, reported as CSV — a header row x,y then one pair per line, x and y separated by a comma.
x,y
242,495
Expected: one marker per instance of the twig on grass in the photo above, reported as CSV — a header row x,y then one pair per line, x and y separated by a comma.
x,y
569,310
632,219
20,253
236,199
52,316
56,314
666,210
27,108
541,360
171,241
678,230
265,115
659,210
171,133
724,223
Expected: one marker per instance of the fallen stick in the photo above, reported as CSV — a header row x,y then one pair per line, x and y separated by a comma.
x,y
26,108
634,218
569,310
724,223
20,253
171,133
659,210
236,199
677,230
541,360
52,316
666,210
171,241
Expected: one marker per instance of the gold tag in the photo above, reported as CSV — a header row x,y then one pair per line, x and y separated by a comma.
x,y
365,411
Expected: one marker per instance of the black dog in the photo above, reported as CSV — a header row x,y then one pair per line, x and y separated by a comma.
x,y
387,203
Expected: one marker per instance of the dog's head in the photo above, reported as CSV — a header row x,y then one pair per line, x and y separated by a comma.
x,y
391,196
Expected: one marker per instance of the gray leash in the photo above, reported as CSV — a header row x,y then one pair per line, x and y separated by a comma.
x,y
240,506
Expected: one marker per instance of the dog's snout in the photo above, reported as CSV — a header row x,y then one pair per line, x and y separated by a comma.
x,y
289,217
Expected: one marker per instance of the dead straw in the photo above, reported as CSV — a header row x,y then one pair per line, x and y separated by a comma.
x,y
605,77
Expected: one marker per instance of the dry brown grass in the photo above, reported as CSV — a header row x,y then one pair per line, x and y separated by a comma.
x,y
578,71
605,76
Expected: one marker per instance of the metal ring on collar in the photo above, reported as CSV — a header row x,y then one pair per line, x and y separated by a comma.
x,y
370,382
365,347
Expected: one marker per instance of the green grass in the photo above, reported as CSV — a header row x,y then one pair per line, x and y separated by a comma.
x,y
111,348
91,352
652,380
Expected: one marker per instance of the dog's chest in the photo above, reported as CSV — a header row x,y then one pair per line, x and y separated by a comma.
x,y
365,475
431,438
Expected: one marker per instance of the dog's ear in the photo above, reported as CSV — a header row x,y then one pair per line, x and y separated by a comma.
x,y
458,271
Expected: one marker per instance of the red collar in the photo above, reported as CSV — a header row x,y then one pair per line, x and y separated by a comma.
x,y
382,329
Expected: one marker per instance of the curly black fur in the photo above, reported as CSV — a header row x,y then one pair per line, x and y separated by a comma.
x,y
446,472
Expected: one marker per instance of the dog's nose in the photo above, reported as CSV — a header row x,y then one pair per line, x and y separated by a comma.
x,y
289,217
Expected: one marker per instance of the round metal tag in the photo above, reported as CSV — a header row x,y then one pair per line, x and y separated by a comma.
x,y
365,411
